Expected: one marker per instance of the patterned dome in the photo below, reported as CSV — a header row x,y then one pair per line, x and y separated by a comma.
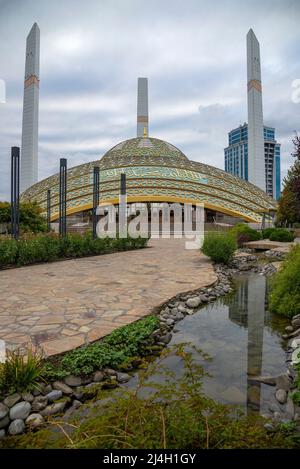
x,y
142,147
156,171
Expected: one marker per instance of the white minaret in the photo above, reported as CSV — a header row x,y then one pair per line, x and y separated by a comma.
x,y
256,152
142,108
29,152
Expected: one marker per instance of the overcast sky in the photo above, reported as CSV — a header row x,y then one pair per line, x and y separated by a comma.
x,y
192,51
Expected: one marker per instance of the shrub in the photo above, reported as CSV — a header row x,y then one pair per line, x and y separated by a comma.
x,y
49,247
30,217
244,233
219,247
8,251
280,234
21,371
285,287
267,232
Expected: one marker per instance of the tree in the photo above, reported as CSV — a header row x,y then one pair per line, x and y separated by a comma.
x,y
30,217
289,203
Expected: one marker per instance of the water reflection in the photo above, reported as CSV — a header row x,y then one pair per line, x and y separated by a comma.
x,y
248,309
243,340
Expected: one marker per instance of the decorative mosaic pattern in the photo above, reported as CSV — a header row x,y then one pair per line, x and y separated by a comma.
x,y
155,168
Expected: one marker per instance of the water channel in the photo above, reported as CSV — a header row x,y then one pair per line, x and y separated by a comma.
x,y
242,338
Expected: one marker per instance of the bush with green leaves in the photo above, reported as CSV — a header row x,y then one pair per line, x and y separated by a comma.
x,y
31,219
282,235
266,233
21,371
284,296
31,249
219,246
115,349
244,233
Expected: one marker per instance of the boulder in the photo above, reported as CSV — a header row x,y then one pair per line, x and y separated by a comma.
x,y
123,377
16,427
296,356
295,343
10,401
296,323
98,377
283,382
170,322
20,411
193,302
2,434
3,411
295,333
39,403
27,396
54,395
4,422
64,388
165,339
73,381
281,396
34,420
110,372
52,409
76,404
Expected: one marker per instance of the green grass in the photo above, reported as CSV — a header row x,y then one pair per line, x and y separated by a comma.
x,y
21,372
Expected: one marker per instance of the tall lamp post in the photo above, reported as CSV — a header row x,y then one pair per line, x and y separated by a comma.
x,y
15,191
63,197
96,197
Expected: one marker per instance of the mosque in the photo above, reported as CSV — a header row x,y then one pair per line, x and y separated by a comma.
x,y
156,170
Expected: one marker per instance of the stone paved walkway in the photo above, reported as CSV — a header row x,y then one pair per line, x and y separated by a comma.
x,y
63,305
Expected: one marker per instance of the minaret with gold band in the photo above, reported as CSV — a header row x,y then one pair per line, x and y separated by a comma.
x,y
142,108
256,152
29,153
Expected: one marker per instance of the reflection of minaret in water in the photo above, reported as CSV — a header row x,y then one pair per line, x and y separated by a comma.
x,y
247,310
256,308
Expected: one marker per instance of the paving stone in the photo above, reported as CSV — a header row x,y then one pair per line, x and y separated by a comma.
x,y
61,309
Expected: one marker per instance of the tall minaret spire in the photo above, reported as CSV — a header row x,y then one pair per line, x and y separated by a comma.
x,y
142,108
256,152
29,153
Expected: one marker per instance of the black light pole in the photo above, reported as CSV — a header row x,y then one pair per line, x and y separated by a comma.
x,y
123,184
48,209
15,191
96,198
63,196
123,208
